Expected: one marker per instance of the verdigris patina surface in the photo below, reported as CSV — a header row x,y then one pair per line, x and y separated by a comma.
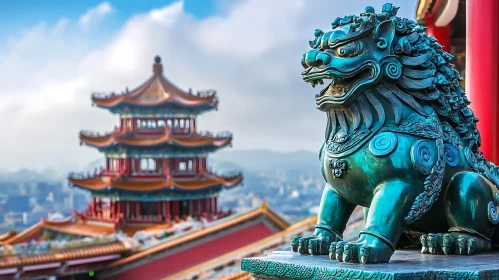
x,y
400,141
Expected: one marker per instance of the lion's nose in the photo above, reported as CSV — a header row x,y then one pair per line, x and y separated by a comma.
x,y
316,58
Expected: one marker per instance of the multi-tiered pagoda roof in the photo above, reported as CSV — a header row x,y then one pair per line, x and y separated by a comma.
x,y
158,93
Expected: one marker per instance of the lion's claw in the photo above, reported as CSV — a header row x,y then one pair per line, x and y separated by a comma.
x,y
360,251
332,251
316,244
453,243
303,245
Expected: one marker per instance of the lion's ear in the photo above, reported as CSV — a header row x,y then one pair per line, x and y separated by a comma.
x,y
384,34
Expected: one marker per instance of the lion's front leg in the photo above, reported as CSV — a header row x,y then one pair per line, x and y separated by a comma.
x,y
384,225
334,212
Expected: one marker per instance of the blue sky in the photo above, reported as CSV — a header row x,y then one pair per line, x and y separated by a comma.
x,y
17,16
55,53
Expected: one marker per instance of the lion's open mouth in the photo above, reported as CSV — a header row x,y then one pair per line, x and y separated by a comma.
x,y
342,84
339,87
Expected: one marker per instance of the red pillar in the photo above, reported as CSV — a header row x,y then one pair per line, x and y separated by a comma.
x,y
118,209
137,209
215,206
166,167
441,33
167,211
208,206
195,207
482,75
175,210
203,206
133,212
127,210
94,210
111,209
159,210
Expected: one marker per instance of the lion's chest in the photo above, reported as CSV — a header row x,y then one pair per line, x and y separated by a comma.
x,y
387,156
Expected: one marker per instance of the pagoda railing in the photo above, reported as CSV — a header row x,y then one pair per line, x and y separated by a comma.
x,y
81,175
96,173
201,93
229,174
221,135
89,133
206,93
103,95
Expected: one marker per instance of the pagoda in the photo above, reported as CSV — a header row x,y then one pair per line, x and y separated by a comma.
x,y
154,203
156,170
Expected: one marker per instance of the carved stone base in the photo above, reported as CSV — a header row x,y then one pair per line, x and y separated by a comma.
x,y
404,264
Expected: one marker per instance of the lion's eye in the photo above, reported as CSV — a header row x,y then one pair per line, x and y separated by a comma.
x,y
349,50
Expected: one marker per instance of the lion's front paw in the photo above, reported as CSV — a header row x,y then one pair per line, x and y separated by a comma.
x,y
316,244
365,250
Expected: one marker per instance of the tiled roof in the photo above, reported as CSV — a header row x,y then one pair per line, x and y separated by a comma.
x,y
200,233
101,182
132,139
63,255
155,91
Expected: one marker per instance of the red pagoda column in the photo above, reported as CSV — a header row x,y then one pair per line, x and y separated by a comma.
x,y
166,167
212,205
175,208
111,209
94,204
118,209
167,211
482,70
208,206
138,213
441,33
133,213
195,207
203,206
215,209
159,210
193,124
128,210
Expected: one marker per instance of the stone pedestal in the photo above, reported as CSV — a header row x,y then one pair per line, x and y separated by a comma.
x,y
405,264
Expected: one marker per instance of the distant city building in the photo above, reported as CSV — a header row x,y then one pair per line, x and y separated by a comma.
x,y
17,203
14,218
34,217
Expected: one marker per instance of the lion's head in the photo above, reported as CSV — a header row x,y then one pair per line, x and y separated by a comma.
x,y
392,59
361,51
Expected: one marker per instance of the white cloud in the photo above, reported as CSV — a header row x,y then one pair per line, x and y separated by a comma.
x,y
95,14
250,54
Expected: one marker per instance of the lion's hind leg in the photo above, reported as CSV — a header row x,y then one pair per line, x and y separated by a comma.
x,y
471,214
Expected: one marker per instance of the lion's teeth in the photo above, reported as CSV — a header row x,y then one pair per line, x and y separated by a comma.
x,y
334,80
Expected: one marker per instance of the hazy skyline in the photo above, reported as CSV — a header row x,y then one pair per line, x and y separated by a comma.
x,y
248,50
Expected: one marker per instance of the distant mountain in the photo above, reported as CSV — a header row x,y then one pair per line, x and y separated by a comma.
x,y
264,160
27,175
98,163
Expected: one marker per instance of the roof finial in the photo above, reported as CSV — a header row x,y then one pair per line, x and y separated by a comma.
x,y
157,67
